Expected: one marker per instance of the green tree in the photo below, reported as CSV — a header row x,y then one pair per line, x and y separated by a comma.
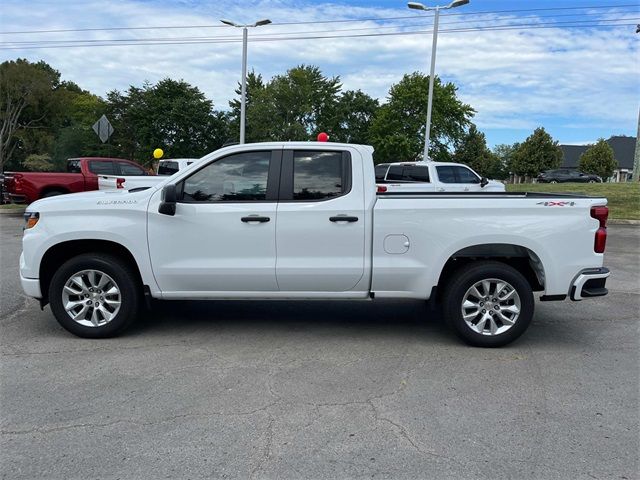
x,y
355,111
598,159
172,115
258,108
505,154
398,129
294,106
537,153
26,104
472,150
74,136
38,163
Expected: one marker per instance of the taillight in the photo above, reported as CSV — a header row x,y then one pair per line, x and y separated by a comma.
x,y
120,182
601,214
17,182
382,189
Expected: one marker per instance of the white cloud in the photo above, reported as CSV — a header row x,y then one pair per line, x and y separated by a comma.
x,y
514,79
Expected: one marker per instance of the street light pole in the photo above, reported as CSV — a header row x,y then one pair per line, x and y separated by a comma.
x,y
243,88
436,19
427,133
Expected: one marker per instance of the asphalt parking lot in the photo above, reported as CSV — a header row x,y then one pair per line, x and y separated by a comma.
x,y
321,389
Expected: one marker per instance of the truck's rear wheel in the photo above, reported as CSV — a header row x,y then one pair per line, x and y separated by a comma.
x,y
489,304
94,295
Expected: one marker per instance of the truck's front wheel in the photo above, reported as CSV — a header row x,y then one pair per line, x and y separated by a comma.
x,y
489,304
94,295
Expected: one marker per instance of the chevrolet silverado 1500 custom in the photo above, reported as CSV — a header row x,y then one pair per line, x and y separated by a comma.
x,y
302,220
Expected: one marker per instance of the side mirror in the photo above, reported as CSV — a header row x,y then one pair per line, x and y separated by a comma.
x,y
168,200
484,182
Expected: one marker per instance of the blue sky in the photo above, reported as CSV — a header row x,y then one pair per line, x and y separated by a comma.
x,y
579,83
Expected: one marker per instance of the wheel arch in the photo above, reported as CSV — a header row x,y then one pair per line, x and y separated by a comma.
x,y
53,188
523,259
59,253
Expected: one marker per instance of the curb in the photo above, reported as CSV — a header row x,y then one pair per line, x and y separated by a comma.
x,y
619,221
12,211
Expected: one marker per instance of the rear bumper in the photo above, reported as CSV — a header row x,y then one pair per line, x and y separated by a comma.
x,y
589,283
15,198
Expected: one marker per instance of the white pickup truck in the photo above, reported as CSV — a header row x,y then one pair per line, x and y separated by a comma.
x,y
302,220
166,167
432,177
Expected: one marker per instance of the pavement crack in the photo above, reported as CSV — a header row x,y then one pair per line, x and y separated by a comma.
x,y
47,430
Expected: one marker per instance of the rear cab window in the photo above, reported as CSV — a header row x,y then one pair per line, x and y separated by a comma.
x,y
73,166
395,172
381,172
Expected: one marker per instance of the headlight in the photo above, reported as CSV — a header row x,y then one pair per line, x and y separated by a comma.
x,y
30,219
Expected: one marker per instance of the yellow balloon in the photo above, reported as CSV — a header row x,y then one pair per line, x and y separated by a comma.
x,y
157,153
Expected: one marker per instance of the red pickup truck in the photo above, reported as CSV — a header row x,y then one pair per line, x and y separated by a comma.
x,y
81,176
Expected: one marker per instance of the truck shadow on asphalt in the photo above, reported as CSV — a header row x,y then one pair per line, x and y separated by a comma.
x,y
398,319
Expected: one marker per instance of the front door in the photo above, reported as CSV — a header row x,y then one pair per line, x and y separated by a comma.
x,y
222,236
455,178
320,234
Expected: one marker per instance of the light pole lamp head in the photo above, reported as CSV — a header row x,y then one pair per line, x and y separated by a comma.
x,y
230,23
264,21
457,3
416,6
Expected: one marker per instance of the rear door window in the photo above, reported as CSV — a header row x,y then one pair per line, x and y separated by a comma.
x,y
416,174
319,175
102,167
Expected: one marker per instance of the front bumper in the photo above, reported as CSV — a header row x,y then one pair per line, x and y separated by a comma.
x,y
589,283
31,286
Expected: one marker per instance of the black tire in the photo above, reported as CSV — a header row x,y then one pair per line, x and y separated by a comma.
x,y
121,273
53,193
468,276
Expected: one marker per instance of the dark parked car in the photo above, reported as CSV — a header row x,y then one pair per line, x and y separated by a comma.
x,y
565,175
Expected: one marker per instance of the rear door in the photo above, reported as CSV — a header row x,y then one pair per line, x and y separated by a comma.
x,y
320,232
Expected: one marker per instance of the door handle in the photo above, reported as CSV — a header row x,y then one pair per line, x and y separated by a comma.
x,y
343,218
255,218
